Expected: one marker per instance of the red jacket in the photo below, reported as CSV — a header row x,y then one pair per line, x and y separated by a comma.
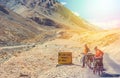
x,y
99,54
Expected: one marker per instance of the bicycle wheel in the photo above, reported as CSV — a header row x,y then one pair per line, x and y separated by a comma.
x,y
100,70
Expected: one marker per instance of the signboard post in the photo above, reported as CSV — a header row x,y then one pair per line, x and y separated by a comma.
x,y
65,58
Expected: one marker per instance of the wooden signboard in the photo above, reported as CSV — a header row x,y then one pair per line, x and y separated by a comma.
x,y
64,58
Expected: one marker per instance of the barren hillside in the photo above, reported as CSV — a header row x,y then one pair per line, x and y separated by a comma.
x,y
14,29
33,19
47,13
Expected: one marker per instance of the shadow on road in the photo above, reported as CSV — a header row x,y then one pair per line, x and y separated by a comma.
x,y
112,64
67,65
110,75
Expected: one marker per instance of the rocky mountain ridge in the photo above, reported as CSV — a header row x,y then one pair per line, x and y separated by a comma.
x,y
47,12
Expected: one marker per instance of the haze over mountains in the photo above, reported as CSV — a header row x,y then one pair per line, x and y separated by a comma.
x,y
53,28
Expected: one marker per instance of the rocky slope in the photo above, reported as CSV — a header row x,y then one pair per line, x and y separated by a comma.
x,y
15,29
33,19
47,12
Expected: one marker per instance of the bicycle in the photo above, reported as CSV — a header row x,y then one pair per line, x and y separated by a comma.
x,y
89,60
98,67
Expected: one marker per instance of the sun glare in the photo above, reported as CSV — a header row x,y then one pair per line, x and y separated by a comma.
x,y
100,8
102,12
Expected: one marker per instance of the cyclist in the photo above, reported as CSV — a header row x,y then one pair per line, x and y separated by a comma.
x,y
85,51
99,55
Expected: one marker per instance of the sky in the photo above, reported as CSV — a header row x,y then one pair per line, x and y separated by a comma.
x,y
102,13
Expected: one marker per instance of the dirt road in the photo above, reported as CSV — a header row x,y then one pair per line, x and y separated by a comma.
x,y
41,61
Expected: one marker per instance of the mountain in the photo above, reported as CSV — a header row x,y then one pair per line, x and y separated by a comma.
x,y
14,29
50,14
47,12
25,21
